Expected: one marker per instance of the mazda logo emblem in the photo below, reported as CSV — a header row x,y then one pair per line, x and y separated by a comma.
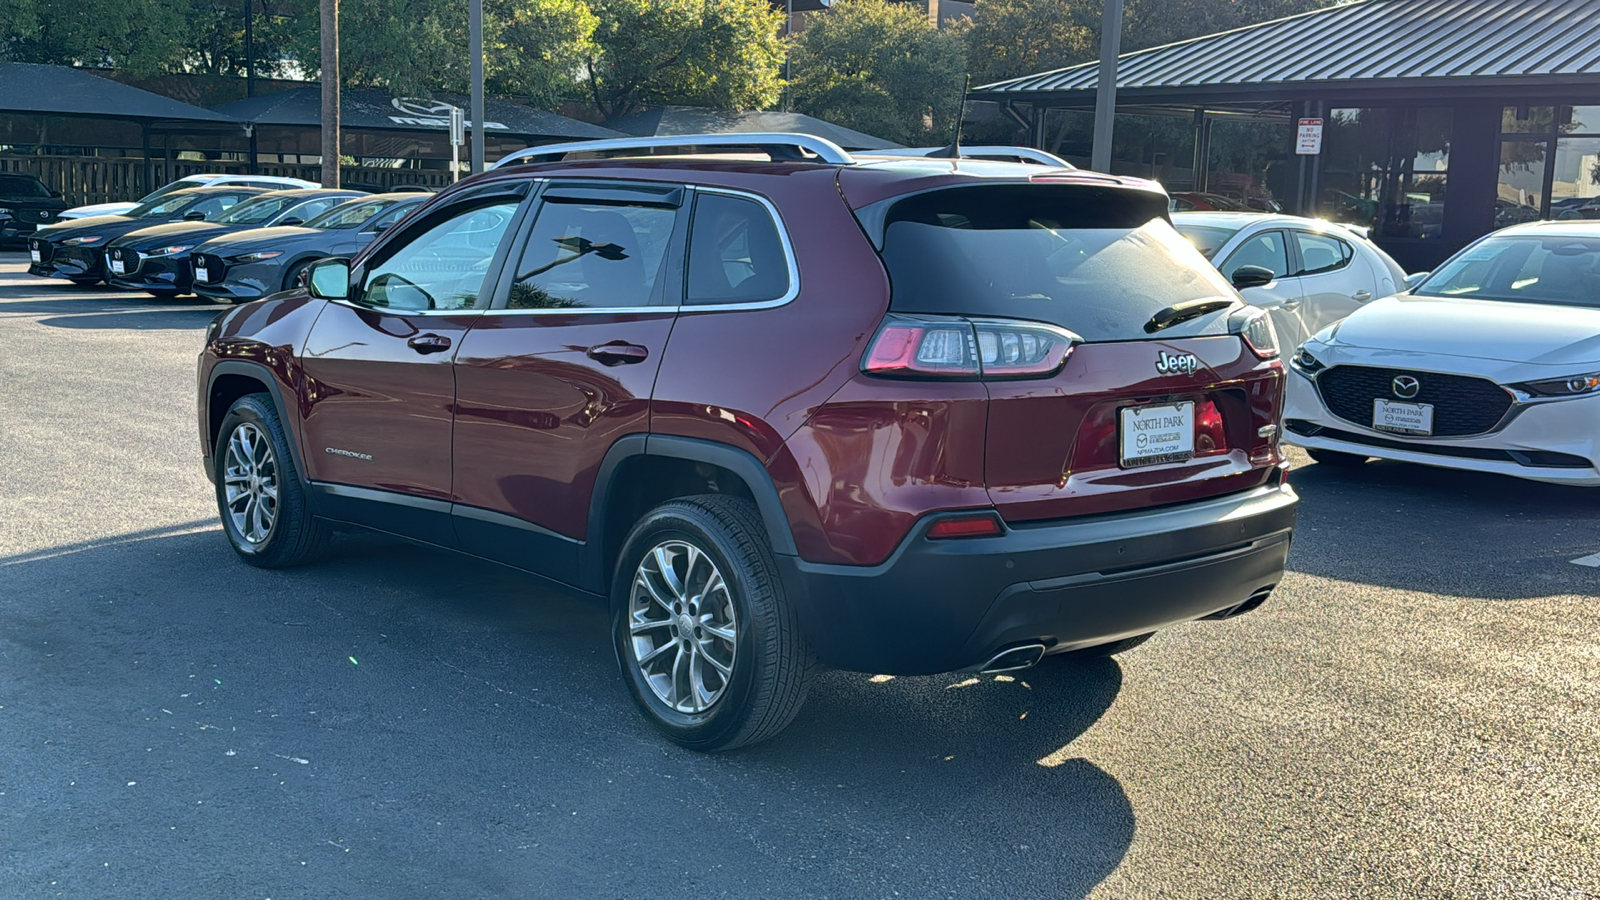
x,y
1405,387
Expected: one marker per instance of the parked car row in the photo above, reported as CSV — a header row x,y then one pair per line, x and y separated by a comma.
x,y
229,242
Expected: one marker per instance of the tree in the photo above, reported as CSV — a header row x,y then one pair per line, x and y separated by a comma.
x,y
720,53
141,36
1010,38
879,67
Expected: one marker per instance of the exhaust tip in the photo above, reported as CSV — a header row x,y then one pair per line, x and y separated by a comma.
x,y
1013,658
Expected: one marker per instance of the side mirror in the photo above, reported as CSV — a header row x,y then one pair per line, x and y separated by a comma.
x,y
330,279
1252,276
195,216
1416,278
293,220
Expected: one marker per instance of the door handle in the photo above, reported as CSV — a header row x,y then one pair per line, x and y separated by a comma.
x,y
429,343
1291,303
617,353
1361,296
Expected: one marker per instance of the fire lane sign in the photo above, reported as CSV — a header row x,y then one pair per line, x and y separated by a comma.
x,y
1308,137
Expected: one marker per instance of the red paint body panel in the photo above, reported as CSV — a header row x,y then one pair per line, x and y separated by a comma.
x,y
1052,448
880,455
366,391
535,415
270,333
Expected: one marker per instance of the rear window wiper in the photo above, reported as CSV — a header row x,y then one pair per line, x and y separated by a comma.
x,y
1183,312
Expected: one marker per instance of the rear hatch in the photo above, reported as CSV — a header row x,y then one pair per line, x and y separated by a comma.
x,y
1121,369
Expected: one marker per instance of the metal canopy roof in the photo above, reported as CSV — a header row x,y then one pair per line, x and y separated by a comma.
x,y
1355,47
37,89
368,108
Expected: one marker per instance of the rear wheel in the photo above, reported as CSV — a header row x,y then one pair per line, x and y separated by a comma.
x,y
264,507
709,647
1337,458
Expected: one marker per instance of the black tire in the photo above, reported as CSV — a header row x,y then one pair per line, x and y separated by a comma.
x,y
770,666
84,282
293,536
163,295
291,279
1100,651
1337,458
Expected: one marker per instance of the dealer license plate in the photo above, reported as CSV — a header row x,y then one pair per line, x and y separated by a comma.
x,y
201,273
33,253
1402,418
1157,434
117,268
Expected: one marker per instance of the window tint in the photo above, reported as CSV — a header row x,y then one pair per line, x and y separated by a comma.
x,y
214,206
1208,239
255,211
164,206
310,209
1266,250
442,267
592,256
18,186
1322,253
390,216
1094,260
735,255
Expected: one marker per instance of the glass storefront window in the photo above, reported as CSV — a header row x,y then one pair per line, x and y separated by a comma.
x,y
1387,168
1575,189
1520,195
1585,119
1527,119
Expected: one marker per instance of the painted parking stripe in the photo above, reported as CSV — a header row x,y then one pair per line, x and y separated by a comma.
x,y
1592,561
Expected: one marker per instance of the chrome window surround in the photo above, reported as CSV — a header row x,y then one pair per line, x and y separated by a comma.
x,y
788,256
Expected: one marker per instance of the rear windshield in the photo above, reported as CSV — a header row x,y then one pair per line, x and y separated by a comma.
x,y
1096,261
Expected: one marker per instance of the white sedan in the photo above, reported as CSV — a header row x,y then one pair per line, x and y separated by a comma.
x,y
275,182
1324,271
1491,364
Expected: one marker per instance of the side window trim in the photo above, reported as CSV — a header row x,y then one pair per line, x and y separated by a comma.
x,y
1347,253
1290,257
467,202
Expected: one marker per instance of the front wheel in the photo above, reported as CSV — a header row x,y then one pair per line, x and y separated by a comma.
x,y
264,507
709,647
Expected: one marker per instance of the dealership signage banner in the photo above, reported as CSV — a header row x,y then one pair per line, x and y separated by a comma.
x,y
1308,137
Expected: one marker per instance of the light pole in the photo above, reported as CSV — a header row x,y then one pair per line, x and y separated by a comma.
x,y
1105,95
330,93
475,42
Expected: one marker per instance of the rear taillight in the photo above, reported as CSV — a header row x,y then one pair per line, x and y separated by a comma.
x,y
958,347
1254,327
986,524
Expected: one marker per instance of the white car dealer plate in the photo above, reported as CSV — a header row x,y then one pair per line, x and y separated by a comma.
x,y
117,267
1157,434
201,273
33,252
1402,418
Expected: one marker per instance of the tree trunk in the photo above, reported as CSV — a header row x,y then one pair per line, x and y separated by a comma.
x,y
330,93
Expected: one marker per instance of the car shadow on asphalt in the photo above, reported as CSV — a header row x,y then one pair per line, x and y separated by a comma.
x,y
1409,526
935,785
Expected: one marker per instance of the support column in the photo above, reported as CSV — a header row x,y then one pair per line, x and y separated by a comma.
x,y
1105,101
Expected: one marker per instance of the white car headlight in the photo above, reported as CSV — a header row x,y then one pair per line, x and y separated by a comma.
x,y
168,251
258,256
86,239
1572,386
1306,364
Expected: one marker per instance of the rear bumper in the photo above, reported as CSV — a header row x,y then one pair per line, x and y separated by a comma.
x,y
941,606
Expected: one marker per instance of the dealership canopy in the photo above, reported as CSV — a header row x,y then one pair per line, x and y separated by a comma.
x,y
32,89
378,110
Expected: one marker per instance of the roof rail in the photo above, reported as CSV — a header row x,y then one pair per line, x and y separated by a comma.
x,y
1025,154
790,147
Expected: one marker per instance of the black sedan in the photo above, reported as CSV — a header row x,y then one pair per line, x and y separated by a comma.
x,y
252,264
75,249
157,260
25,204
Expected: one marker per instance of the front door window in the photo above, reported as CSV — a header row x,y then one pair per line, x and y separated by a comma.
x,y
444,267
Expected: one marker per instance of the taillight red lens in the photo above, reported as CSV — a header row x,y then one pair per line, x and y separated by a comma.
x,y
956,347
979,525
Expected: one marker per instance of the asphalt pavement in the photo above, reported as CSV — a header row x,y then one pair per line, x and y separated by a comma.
x,y
1415,713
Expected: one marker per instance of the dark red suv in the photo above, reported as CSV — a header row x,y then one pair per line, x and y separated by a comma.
x,y
778,408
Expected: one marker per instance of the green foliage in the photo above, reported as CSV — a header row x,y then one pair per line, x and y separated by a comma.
x,y
141,36
719,53
879,67
1009,38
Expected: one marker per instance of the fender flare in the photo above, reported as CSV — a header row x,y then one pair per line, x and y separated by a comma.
x,y
741,463
258,372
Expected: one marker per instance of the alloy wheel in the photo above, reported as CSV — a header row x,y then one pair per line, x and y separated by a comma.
x,y
250,483
682,626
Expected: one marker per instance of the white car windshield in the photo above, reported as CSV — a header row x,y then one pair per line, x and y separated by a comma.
x,y
1525,268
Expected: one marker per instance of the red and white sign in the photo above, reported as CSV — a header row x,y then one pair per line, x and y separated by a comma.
x,y
1308,137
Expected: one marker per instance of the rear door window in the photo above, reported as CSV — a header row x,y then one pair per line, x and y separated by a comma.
x,y
583,255
1094,260
1321,253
